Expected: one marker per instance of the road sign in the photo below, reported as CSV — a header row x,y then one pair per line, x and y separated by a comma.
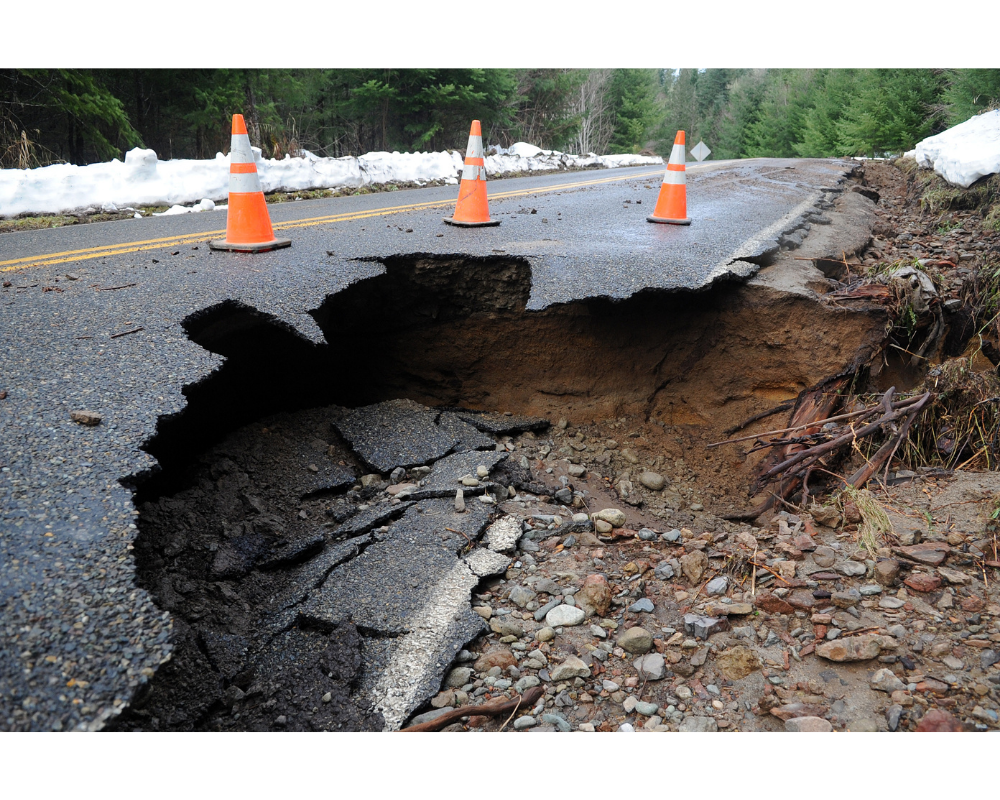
x,y
700,151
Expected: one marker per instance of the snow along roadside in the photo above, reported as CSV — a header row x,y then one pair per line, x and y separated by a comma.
x,y
144,180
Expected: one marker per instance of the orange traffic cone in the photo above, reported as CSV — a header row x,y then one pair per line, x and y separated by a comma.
x,y
248,225
671,205
472,210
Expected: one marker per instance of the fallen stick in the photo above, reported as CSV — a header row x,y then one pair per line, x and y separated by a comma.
x,y
486,710
114,288
126,333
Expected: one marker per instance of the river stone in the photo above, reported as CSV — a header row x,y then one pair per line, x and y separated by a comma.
x,y
852,648
594,596
612,516
651,667
808,725
564,615
457,678
885,680
520,596
738,662
572,667
694,565
495,658
698,725
825,556
852,569
652,481
636,640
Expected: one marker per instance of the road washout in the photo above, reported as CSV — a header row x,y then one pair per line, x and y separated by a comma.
x,y
261,542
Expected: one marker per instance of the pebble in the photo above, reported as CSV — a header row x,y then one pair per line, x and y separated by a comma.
x,y
612,516
520,596
891,603
852,569
808,725
523,723
647,535
85,417
458,677
459,502
672,536
564,615
642,605
646,709
545,634
870,589
717,586
572,667
540,614
885,680
651,667
558,720
664,571
636,640
824,556
652,481
855,648
692,724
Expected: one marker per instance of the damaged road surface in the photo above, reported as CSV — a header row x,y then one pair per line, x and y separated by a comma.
x,y
201,549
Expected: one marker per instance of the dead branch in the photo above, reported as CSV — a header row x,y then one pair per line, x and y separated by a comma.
x,y
494,709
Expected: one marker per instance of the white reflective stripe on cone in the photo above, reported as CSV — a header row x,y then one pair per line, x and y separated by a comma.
x,y
674,176
475,149
677,154
244,182
471,172
239,151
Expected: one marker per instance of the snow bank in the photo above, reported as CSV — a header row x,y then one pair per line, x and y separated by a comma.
x,y
964,154
144,180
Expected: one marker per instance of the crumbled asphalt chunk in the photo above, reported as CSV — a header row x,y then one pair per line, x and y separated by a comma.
x,y
368,518
503,424
469,437
389,583
397,433
445,476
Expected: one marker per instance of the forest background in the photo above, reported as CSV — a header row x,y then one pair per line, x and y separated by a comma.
x,y
82,116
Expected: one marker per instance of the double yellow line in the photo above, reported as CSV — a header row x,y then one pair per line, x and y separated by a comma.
x,y
190,238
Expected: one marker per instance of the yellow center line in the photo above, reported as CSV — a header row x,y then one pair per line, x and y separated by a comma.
x,y
172,241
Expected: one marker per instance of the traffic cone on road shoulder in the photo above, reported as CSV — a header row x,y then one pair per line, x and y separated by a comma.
x,y
671,205
472,209
248,225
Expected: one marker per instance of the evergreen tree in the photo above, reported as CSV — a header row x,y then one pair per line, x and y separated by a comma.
x,y
969,92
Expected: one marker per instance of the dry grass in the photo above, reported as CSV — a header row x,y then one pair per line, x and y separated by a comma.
x,y
875,529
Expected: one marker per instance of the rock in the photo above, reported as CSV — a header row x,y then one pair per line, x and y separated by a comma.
x,y
612,516
738,662
545,586
545,634
801,598
459,502
444,699
603,526
496,658
892,715
953,576
717,586
886,570
870,589
988,658
852,569
523,723
672,536
664,571
862,725
520,596
793,710
808,725
846,599
558,720
652,481
828,516
85,417
484,611
922,582
786,569
636,640
598,631
694,566
572,667
594,596
692,724
891,603
728,609
937,720
772,605
565,615
885,680
526,682
646,709
642,605
909,536
647,534
703,627
930,553
825,556
457,678
651,667
852,648
973,605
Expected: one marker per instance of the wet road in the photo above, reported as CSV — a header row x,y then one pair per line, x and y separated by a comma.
x,y
77,636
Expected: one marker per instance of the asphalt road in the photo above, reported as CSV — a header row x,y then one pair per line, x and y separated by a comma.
x,y
77,636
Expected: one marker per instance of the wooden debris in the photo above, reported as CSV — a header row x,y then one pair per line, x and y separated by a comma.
x,y
522,701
